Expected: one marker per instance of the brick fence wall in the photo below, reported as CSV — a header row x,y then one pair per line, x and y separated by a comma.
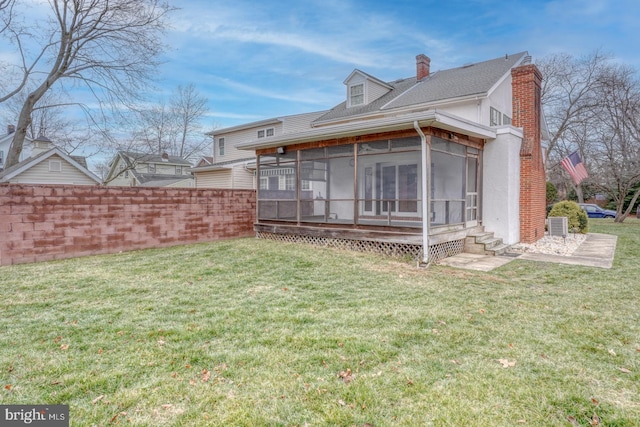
x,y
46,222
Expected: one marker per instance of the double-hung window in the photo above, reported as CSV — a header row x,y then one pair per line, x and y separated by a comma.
x,y
356,94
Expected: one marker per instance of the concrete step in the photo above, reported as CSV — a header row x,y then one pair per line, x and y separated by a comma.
x,y
484,243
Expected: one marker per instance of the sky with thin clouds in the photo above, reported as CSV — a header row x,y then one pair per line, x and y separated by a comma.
x,y
257,59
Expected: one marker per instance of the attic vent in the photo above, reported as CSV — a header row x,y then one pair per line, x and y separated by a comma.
x,y
558,226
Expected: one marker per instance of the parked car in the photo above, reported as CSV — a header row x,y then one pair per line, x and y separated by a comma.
x,y
595,211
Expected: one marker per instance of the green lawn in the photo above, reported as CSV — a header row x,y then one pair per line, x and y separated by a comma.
x,y
251,332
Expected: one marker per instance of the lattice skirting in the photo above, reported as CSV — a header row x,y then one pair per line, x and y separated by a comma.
x,y
436,252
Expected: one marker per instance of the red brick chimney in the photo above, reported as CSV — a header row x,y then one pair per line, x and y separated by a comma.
x,y
423,63
527,114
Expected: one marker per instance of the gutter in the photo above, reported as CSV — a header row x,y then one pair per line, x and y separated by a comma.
x,y
439,119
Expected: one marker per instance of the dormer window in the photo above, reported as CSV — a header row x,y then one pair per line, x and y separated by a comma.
x,y
356,94
221,147
266,132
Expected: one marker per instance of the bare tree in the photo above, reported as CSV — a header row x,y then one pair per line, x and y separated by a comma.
x,y
175,128
568,95
108,46
615,152
189,107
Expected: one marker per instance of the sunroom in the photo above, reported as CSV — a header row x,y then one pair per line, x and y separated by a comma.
x,y
368,191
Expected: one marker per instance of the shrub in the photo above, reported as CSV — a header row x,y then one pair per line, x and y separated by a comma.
x,y
576,217
552,192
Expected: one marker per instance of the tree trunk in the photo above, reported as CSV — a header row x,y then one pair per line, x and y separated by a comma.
x,y
24,121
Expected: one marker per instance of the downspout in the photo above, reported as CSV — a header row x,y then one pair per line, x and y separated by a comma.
x,y
426,154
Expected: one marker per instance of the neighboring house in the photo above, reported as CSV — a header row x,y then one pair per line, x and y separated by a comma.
x,y
233,168
5,144
49,165
132,169
415,165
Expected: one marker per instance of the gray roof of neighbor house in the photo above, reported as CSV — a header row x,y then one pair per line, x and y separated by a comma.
x,y
469,80
154,158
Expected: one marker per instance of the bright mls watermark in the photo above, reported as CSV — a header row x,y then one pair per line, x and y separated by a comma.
x,y
34,415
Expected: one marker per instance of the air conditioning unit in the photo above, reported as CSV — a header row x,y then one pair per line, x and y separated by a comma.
x,y
558,226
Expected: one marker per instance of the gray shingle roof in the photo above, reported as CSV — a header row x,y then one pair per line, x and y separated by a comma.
x,y
155,158
468,80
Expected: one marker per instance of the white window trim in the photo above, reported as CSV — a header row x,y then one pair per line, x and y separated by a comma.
x,y
220,146
350,96
266,132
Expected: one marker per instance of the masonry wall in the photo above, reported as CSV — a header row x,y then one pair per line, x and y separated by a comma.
x,y
40,222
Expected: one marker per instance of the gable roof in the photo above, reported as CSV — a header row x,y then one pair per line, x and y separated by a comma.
x,y
466,81
30,162
134,156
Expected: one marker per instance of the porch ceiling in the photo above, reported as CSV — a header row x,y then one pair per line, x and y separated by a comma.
x,y
433,118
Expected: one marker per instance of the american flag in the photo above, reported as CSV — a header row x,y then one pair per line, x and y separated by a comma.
x,y
574,166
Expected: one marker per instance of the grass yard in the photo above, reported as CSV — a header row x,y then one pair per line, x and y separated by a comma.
x,y
253,333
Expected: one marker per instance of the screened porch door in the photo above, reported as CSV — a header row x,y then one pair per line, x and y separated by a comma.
x,y
471,211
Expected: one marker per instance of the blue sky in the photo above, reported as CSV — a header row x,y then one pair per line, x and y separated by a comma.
x,y
257,59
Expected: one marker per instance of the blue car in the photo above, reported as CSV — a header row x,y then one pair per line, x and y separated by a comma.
x,y
595,211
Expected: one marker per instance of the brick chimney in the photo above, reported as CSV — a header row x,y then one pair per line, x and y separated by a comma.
x,y
526,82
423,63
10,129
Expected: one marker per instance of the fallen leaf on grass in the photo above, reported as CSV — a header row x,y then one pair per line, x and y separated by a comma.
x,y
57,339
64,347
613,353
624,370
205,375
507,363
341,402
572,420
167,406
97,399
595,401
454,361
8,387
346,376
595,421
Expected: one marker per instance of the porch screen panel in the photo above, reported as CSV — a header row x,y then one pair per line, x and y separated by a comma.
x,y
447,185
389,187
313,190
340,197
277,187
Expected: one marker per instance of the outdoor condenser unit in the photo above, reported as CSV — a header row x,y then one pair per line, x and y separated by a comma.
x,y
558,226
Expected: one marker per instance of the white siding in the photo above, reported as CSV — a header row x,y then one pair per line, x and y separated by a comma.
x,y
231,139
40,174
213,179
374,91
236,177
242,178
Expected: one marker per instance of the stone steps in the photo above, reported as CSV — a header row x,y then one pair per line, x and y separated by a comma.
x,y
484,243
